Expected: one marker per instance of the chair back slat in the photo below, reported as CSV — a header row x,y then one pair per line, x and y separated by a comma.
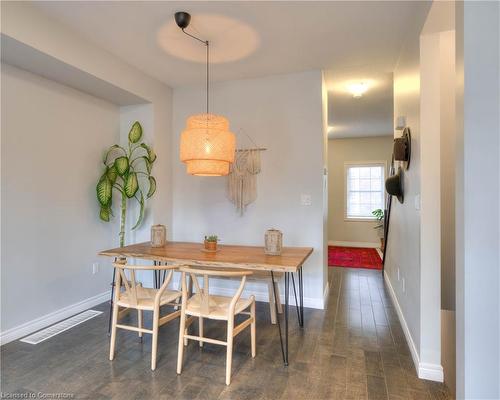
x,y
203,291
130,288
196,283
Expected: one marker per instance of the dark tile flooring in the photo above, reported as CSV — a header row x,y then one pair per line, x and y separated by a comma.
x,y
354,350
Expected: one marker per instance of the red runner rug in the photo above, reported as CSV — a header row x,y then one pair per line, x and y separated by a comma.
x,y
353,257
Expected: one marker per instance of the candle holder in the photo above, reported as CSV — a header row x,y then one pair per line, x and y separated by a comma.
x,y
158,235
273,242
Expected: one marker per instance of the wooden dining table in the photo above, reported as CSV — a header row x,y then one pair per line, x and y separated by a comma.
x,y
290,262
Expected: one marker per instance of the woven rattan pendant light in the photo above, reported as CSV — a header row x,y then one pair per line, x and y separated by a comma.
x,y
206,146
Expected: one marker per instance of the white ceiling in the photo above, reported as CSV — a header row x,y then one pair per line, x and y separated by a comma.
x,y
258,38
271,37
370,115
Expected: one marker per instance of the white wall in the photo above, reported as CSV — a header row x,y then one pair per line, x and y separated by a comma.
x,y
415,237
27,26
437,66
448,162
403,242
447,137
325,105
478,201
53,139
284,114
352,150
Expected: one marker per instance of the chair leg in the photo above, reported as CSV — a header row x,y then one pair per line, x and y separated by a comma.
x,y
229,351
180,351
200,329
278,296
272,309
113,332
154,341
139,321
252,328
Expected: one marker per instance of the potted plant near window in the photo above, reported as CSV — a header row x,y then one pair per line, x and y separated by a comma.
x,y
211,242
379,215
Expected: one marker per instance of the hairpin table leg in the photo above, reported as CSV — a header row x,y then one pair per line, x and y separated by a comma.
x,y
278,318
111,301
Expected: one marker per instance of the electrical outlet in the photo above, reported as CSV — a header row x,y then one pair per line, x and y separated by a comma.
x,y
95,268
305,199
403,283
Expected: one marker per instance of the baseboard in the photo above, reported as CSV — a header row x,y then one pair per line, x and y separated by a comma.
x,y
326,292
353,244
39,323
404,325
253,288
309,302
431,372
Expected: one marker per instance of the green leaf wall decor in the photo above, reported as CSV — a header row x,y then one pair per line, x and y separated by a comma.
x,y
135,133
131,185
122,167
152,187
121,164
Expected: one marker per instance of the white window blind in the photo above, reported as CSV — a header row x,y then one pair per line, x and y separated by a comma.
x,y
364,189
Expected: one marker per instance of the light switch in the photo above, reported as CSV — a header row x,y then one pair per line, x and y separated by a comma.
x,y
400,123
417,202
305,199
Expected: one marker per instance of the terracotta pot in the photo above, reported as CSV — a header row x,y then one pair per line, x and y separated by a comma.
x,y
212,246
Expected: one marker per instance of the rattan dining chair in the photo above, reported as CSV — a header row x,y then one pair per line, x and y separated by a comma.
x,y
135,296
273,288
204,305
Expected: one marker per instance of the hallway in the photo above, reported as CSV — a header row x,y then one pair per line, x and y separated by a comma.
x,y
354,350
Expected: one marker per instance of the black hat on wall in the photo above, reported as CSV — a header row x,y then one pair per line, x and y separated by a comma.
x,y
394,185
402,148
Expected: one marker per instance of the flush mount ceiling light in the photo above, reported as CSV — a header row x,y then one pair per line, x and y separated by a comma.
x,y
357,89
207,146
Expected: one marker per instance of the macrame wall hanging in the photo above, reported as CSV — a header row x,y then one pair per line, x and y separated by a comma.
x,y
242,178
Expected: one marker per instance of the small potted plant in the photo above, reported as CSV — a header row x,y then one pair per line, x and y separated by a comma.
x,y
211,242
379,215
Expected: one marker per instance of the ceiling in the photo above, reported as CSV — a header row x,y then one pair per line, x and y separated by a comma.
x,y
262,37
369,115
349,39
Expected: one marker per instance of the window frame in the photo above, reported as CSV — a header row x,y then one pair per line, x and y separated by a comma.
x,y
350,164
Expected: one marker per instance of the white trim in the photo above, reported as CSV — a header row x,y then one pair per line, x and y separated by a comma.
x,y
260,295
353,244
309,302
360,219
326,292
42,322
350,164
432,372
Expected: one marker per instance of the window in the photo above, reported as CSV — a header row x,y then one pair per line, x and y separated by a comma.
x,y
364,189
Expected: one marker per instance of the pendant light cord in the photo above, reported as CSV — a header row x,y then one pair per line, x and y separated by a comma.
x,y
206,43
208,80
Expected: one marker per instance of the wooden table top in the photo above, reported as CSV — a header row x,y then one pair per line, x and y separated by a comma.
x,y
247,257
